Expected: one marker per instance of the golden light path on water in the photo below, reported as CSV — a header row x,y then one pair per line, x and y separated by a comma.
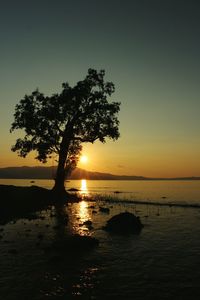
x,y
84,189
83,205
81,211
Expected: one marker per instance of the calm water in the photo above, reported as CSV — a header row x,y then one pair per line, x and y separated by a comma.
x,y
162,191
160,263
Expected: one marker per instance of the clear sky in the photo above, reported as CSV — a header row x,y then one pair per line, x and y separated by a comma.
x,y
149,49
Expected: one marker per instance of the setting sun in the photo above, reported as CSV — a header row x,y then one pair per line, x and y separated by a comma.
x,y
84,159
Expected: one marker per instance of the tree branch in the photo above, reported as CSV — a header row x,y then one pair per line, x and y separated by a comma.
x,y
85,140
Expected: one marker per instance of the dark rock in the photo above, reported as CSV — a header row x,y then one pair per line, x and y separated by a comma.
x,y
87,223
73,190
104,210
94,212
91,206
14,204
124,223
90,227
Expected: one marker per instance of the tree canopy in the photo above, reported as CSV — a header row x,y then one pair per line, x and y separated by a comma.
x,y
62,122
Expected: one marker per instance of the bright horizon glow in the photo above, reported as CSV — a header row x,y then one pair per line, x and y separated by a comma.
x,y
84,159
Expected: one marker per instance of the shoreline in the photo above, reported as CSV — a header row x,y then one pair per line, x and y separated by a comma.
x,y
39,256
23,201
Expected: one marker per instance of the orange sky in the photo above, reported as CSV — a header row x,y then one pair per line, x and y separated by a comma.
x,y
162,161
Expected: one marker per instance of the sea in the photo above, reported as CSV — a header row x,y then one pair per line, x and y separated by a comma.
x,y
163,191
162,262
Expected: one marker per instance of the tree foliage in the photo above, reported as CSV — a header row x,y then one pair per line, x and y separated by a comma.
x,y
62,122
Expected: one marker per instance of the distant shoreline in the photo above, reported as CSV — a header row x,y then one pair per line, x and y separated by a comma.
x,y
34,173
107,179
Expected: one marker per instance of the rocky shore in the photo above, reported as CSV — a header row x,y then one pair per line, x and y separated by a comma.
x,y
20,202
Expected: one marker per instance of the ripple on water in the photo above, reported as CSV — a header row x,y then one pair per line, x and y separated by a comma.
x,y
160,263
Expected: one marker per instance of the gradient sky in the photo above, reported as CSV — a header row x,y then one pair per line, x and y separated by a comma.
x,y
149,49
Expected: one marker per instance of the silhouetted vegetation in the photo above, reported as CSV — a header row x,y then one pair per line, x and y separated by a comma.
x,y
23,202
62,122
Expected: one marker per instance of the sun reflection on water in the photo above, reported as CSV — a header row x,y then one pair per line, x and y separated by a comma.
x,y
81,214
83,211
83,190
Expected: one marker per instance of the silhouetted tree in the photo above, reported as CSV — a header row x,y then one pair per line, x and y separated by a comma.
x,y
62,122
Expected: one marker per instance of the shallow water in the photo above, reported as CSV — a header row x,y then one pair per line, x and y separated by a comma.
x,y
160,263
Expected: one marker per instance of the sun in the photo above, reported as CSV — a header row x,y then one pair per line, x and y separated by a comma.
x,y
84,159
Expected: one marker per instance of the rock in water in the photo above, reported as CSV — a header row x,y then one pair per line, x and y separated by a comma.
x,y
87,223
124,223
104,209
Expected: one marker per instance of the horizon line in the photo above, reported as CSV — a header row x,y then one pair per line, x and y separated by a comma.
x,y
137,177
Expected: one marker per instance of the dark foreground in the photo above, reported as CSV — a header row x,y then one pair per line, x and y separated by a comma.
x,y
22,202
59,249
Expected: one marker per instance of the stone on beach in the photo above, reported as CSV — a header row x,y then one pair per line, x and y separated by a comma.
x,y
124,223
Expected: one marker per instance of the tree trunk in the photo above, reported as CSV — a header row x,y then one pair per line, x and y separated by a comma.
x,y
59,186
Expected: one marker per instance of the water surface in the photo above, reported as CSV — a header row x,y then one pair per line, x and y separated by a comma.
x,y
160,263
164,191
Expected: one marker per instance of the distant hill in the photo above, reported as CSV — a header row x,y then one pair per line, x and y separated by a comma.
x,y
49,173
80,173
27,172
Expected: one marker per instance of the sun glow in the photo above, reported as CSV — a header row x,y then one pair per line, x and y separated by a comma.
x,y
84,159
